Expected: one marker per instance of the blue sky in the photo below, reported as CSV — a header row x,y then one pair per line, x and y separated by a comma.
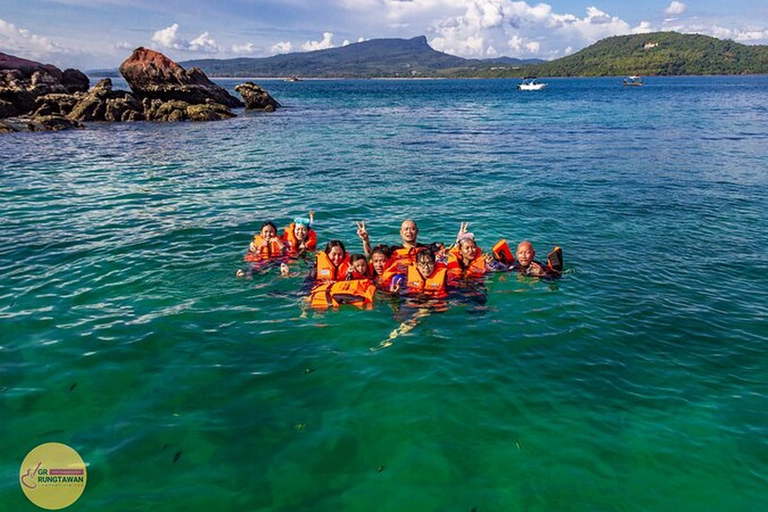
x,y
88,34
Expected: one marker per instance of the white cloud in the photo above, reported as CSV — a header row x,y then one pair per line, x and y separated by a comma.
x,y
24,44
282,47
326,43
168,38
244,49
123,45
527,30
203,43
676,8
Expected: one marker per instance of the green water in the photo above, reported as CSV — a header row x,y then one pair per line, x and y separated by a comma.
x,y
634,383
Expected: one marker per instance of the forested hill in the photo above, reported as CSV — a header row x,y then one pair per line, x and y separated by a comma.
x,y
375,58
659,53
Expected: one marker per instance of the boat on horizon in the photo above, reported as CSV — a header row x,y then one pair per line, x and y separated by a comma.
x,y
531,83
633,81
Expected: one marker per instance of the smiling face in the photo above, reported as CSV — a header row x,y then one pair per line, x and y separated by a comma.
x,y
268,232
360,266
336,255
425,264
409,232
379,262
525,254
300,231
468,249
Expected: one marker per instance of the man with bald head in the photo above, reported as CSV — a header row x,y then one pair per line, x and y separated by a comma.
x,y
524,262
402,255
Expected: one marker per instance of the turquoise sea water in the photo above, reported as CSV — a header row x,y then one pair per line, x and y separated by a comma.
x,y
637,382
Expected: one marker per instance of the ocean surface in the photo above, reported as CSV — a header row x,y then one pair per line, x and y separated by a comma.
x,y
637,382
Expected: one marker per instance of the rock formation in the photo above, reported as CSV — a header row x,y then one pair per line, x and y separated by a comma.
x,y
256,98
152,75
35,96
22,81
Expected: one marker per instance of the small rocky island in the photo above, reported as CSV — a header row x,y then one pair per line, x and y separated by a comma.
x,y
41,97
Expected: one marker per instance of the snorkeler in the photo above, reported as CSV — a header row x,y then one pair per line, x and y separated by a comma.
x,y
299,235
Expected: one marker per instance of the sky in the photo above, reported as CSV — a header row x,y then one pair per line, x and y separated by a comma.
x,y
97,34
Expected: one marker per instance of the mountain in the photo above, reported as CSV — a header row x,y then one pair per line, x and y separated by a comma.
x,y
659,53
374,58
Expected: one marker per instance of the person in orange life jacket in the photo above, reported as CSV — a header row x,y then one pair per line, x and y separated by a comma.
x,y
265,248
300,236
266,245
402,255
466,259
425,276
378,266
358,267
332,264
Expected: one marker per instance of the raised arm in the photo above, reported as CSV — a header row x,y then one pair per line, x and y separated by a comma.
x,y
363,234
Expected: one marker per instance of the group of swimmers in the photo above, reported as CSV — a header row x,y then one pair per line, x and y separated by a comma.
x,y
411,268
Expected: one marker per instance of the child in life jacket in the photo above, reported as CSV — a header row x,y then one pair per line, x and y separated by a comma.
x,y
266,245
358,267
299,236
265,249
380,259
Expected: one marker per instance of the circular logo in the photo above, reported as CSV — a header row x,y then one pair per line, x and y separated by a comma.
x,y
53,476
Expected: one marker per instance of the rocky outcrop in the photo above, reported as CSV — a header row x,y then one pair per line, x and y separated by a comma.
x,y
35,96
177,110
152,75
22,81
256,98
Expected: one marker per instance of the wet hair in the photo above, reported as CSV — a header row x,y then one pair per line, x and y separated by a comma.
x,y
335,243
436,246
355,257
268,223
383,249
425,253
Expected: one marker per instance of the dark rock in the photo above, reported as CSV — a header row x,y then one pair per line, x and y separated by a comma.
x,y
256,98
75,81
6,109
102,103
45,123
208,112
54,104
5,127
152,75
22,81
54,123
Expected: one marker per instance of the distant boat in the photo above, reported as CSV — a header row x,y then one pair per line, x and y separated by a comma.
x,y
633,81
530,83
293,78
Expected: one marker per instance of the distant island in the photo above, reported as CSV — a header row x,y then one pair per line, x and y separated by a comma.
x,y
656,53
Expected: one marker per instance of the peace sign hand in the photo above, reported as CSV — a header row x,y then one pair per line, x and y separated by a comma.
x,y
361,231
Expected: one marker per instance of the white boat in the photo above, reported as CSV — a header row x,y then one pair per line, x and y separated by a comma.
x,y
633,81
531,84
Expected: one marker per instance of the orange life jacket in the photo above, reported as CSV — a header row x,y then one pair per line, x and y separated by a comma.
x,y
502,252
289,235
273,249
402,258
457,270
358,292
434,285
326,271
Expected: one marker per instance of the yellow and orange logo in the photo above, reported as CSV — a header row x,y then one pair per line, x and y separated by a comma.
x,y
53,476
